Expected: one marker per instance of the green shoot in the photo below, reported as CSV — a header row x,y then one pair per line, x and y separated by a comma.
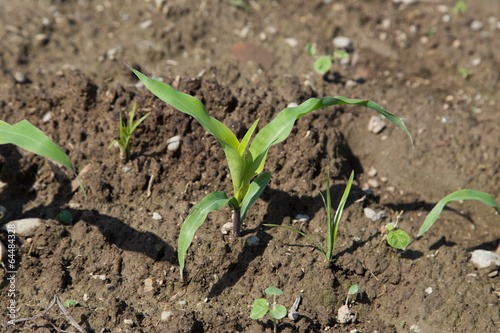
x,y
397,238
434,214
310,49
69,303
460,7
331,226
246,160
126,131
353,291
260,307
340,54
323,64
465,72
23,134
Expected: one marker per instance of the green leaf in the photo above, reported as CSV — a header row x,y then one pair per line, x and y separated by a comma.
x,y
68,303
323,64
23,134
278,311
213,201
28,137
398,239
334,227
259,309
281,126
389,227
246,139
434,214
310,49
254,192
354,289
273,291
193,107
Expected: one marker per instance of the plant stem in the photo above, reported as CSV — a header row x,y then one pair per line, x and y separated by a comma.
x,y
236,223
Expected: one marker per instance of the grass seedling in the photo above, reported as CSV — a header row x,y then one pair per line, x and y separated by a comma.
x,y
24,135
459,8
126,131
261,307
465,72
332,226
322,64
246,160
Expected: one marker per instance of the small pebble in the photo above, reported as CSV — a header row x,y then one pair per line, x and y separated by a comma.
x,y
128,322
126,169
373,183
344,315
156,216
24,227
167,316
415,329
253,241
429,290
85,297
146,24
173,143
376,124
20,78
350,83
47,117
292,42
301,218
373,215
227,228
476,25
372,172
292,105
476,62
342,42
484,259
148,285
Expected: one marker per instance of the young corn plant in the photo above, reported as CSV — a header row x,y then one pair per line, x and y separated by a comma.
x,y
126,130
245,160
24,135
332,226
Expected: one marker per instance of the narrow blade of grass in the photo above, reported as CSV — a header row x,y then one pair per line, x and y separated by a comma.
x,y
434,214
318,245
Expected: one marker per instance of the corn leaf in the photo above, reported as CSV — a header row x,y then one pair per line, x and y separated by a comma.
x,y
434,214
27,136
281,126
213,201
193,107
254,191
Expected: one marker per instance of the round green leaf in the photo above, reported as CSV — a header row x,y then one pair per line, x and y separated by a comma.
x,y
274,291
69,303
323,64
259,309
354,289
278,312
398,239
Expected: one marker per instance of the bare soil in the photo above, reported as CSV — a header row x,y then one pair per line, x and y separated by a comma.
x,y
62,68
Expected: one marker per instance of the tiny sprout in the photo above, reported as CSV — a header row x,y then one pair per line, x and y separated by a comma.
x,y
261,307
397,238
340,54
69,303
460,7
126,131
353,291
465,72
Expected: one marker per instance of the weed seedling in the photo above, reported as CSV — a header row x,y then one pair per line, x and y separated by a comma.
x,y
323,63
332,226
397,238
23,134
261,307
126,130
246,161
465,72
344,314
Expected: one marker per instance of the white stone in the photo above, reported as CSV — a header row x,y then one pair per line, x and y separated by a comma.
x,y
484,259
301,218
342,42
167,315
429,290
24,227
173,143
373,215
344,315
128,322
227,228
476,25
156,216
376,124
372,172
292,42
292,105
373,183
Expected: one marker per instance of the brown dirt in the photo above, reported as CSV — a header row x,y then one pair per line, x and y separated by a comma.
x,y
238,62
